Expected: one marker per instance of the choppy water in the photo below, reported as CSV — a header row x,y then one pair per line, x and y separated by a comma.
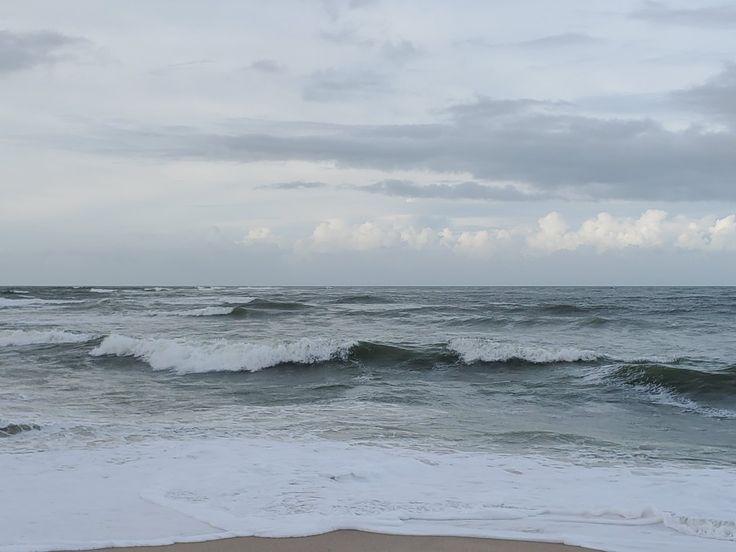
x,y
589,382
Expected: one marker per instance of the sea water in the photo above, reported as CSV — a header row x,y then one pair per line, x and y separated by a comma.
x,y
603,417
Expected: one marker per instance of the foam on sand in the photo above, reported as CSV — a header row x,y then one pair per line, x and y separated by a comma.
x,y
185,357
170,491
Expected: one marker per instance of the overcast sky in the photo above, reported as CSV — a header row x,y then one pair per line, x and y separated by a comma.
x,y
368,142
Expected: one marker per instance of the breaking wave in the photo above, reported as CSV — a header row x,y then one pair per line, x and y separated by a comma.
x,y
15,338
208,311
472,350
254,307
27,301
221,356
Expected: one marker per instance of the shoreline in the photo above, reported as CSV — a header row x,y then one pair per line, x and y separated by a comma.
x,y
350,540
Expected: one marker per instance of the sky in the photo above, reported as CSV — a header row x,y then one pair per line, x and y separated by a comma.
x,y
368,142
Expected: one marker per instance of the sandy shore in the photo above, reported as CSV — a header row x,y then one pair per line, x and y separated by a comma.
x,y
357,541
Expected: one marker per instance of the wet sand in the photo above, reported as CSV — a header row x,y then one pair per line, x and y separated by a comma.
x,y
357,541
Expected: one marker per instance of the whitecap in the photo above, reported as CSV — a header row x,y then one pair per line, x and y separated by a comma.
x,y
14,338
485,350
185,357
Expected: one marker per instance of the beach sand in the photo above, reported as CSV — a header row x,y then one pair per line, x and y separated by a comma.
x,y
357,541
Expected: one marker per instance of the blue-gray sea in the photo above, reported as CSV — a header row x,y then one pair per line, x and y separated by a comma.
x,y
605,378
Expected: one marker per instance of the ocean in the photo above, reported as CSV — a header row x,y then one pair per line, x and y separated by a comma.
x,y
603,417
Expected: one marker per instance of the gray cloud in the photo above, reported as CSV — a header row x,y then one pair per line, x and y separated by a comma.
x,y
546,146
20,51
339,84
559,41
400,51
460,190
296,185
347,36
717,96
266,66
720,16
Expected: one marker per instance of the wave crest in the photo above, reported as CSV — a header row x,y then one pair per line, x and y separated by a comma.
x,y
472,350
221,356
680,380
14,338
27,301
208,311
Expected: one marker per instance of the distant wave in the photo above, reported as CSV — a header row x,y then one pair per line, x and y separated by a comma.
x,y
15,292
267,304
208,311
564,308
29,301
241,306
190,358
14,338
472,350
246,307
362,299
593,322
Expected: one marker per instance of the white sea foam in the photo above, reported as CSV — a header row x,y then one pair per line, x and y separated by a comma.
x,y
28,301
194,300
14,338
173,491
101,290
207,311
185,357
476,349
664,396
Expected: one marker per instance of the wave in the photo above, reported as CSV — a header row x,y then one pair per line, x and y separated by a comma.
x,y
472,350
371,352
208,311
101,290
14,429
563,308
221,356
679,380
594,322
14,338
27,301
15,292
362,299
268,304
254,307
690,390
